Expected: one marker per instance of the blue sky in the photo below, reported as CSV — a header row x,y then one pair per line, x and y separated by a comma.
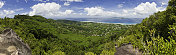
x,y
82,8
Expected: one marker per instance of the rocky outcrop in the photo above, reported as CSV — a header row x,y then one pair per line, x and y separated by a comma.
x,y
127,49
11,44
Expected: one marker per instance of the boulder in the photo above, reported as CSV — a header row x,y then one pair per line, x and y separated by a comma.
x,y
11,44
127,49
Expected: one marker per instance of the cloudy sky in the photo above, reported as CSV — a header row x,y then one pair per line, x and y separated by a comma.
x,y
82,8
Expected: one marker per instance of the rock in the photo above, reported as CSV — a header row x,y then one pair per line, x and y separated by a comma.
x,y
11,44
11,48
127,49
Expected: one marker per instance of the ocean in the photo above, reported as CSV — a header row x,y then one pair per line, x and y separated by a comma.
x,y
123,21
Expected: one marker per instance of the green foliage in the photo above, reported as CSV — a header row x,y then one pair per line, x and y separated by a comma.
x,y
58,53
171,9
110,46
90,53
47,36
173,29
156,34
158,46
105,52
1,28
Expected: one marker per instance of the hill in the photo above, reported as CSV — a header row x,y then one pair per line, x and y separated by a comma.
x,y
156,34
48,36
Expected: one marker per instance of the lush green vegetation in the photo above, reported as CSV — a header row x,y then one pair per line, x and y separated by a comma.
x,y
48,36
156,34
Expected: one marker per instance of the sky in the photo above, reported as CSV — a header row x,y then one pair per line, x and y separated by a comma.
x,y
82,8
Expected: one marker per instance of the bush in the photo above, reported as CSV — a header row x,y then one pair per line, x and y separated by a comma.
x,y
105,52
58,53
90,53
159,46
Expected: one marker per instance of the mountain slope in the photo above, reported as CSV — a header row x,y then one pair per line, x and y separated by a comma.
x,y
48,36
156,34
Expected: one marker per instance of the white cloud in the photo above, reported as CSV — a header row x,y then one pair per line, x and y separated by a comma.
x,y
73,0
148,8
1,4
120,5
163,3
67,3
26,1
125,11
42,0
94,11
20,9
99,11
68,12
8,13
48,10
143,10
25,13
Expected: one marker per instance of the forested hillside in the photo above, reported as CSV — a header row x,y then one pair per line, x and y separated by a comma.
x,y
48,36
156,34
